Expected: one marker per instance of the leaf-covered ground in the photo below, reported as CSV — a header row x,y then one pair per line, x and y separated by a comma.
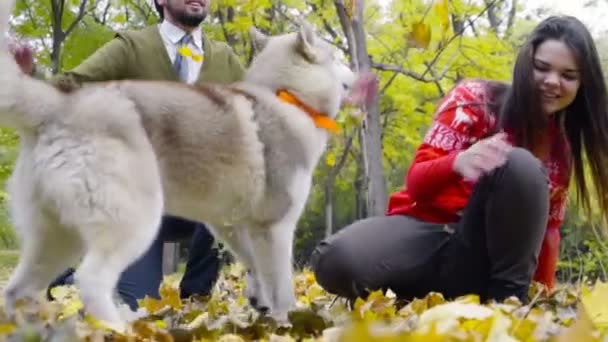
x,y
568,314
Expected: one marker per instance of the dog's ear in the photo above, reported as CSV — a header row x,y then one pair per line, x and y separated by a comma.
x,y
258,39
305,42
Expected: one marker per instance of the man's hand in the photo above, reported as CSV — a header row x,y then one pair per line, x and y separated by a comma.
x,y
482,157
24,56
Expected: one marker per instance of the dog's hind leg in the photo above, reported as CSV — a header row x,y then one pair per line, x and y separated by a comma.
x,y
273,264
45,253
110,250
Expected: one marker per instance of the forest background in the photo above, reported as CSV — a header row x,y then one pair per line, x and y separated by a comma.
x,y
418,48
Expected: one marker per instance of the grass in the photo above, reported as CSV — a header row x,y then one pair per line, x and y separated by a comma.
x,y
8,261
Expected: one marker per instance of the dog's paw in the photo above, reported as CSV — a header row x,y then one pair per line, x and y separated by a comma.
x,y
252,288
12,298
261,306
281,318
285,301
254,295
130,316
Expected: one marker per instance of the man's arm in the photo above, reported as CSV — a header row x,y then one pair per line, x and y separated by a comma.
x,y
110,62
236,67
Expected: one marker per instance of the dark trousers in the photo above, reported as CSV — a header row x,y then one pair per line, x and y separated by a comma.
x,y
145,275
492,251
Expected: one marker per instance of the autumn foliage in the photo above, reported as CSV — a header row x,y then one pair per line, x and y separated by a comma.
x,y
567,314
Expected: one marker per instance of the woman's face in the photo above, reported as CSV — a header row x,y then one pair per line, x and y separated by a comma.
x,y
556,74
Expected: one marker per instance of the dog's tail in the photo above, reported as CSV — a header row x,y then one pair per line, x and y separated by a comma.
x,y
23,99
6,8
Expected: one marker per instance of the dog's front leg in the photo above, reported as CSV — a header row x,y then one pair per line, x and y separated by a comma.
x,y
238,241
273,264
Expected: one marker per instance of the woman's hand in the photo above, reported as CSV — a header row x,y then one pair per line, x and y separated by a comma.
x,y
482,157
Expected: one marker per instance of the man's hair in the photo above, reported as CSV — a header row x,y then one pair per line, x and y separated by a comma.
x,y
159,9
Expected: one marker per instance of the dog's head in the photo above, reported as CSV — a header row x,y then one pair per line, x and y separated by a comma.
x,y
302,64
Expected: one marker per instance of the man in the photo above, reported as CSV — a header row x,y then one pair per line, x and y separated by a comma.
x,y
174,50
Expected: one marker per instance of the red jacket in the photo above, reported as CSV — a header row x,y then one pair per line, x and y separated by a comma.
x,y
434,192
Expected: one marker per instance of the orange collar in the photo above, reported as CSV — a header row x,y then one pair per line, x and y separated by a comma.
x,y
321,120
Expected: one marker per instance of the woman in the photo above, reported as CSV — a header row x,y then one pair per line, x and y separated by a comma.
x,y
485,196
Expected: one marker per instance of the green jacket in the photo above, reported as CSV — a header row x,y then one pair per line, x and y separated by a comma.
x,y
142,55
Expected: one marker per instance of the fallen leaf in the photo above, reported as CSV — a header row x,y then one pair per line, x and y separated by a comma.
x,y
595,303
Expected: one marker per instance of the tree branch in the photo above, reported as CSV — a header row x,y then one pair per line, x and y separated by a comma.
x,y
409,73
31,16
494,22
144,11
512,13
81,12
338,46
345,152
348,31
457,34
388,84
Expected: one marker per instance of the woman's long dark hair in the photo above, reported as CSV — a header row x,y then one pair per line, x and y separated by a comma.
x,y
585,120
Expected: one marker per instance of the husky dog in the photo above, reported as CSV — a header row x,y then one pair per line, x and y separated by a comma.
x,y
99,165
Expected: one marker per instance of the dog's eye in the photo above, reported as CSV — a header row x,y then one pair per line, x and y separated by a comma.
x,y
344,86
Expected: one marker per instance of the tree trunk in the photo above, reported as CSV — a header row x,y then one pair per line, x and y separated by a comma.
x,y
492,15
59,35
332,174
374,183
371,128
329,207
57,7
56,55
511,20
170,257
361,205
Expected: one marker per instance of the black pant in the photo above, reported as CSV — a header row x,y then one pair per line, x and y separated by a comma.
x,y
144,276
492,251
202,268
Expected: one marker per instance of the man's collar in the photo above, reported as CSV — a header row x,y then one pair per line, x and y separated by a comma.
x,y
175,33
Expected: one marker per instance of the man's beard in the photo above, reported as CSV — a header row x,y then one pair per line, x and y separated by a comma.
x,y
184,18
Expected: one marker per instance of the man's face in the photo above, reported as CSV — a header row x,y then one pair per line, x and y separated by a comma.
x,y
186,12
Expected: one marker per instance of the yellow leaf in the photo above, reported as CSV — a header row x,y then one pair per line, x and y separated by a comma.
x,y
170,296
446,316
188,53
304,300
331,159
72,307
69,299
7,329
152,305
442,11
500,328
230,338
185,51
595,303
161,324
581,331
61,292
468,299
421,35
241,301
523,329
350,6
310,277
